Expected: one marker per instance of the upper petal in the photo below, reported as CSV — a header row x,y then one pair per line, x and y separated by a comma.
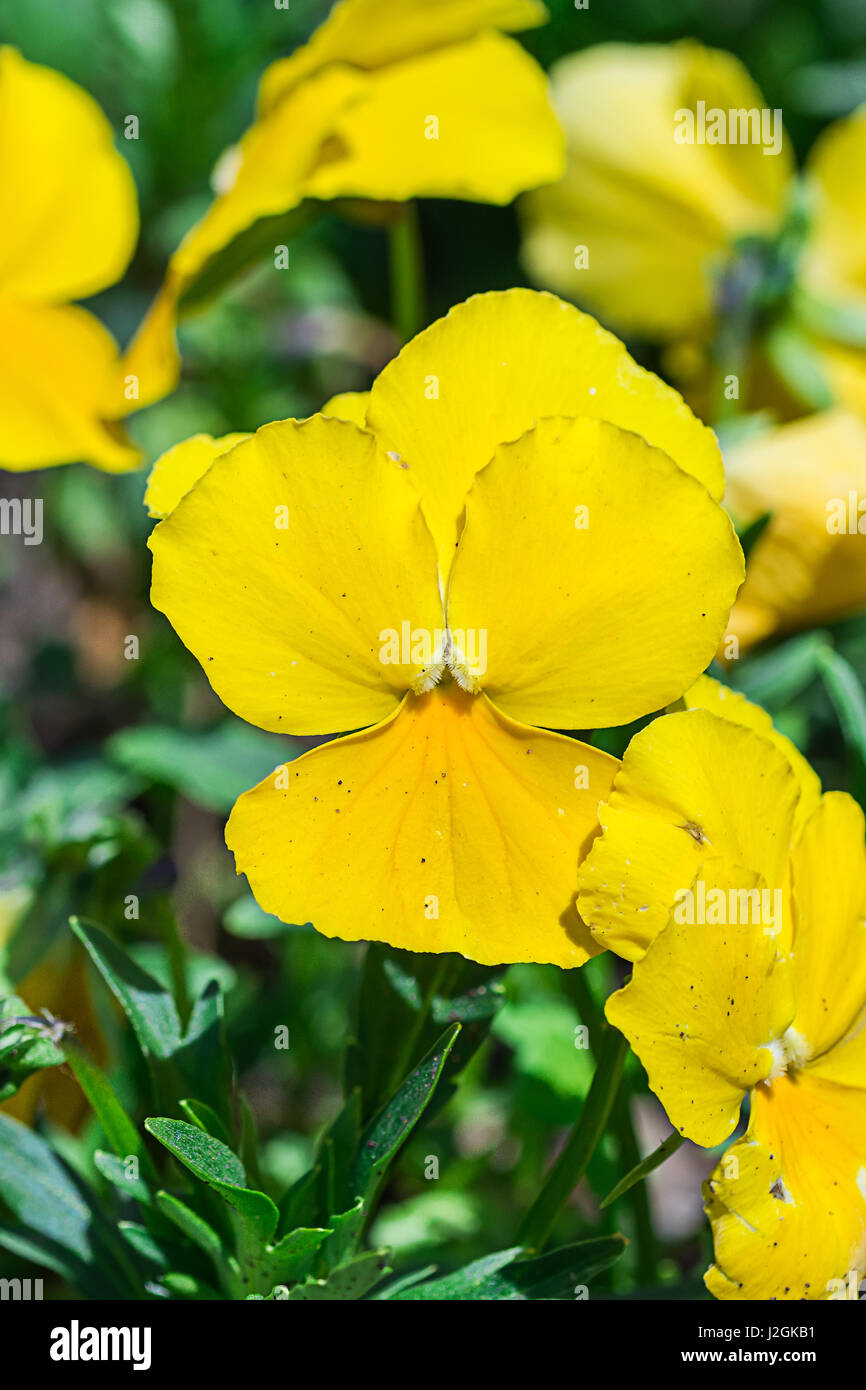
x,y
285,566
471,121
696,795
373,33
448,828
601,573
788,1201
70,217
491,369
59,375
175,471
720,699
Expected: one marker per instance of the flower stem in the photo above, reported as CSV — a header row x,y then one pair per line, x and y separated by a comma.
x,y
574,1159
406,260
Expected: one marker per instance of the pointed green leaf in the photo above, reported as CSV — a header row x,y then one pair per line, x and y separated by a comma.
x,y
506,1276
386,1134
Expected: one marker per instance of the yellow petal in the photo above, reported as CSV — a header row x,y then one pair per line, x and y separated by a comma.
x,y
58,369
373,33
262,177
152,359
284,568
649,211
472,121
600,572
833,265
807,566
496,364
448,828
348,405
175,471
696,793
70,216
705,1011
829,956
788,1201
719,699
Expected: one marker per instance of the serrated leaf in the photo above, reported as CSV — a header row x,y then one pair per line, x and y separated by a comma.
x,y
350,1281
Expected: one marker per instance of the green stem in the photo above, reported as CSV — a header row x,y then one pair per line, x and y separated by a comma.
x,y
406,260
578,987
574,1159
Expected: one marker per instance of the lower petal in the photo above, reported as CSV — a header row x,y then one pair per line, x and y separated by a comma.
x,y
787,1202
449,827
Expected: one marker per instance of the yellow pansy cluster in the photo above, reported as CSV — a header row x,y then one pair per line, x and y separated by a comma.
x,y
514,539
680,219
738,891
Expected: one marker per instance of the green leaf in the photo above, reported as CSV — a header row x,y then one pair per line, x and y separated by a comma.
x,y
215,1164
203,1117
290,1259
59,1226
405,998
115,1170
776,678
849,701
505,1275
386,1134
148,1006
645,1167
246,919
118,1128
752,533
794,357
211,767
350,1281
187,1286
193,1226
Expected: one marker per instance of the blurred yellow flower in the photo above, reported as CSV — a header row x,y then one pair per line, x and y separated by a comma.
x,y
749,979
69,228
808,565
522,535
389,100
679,212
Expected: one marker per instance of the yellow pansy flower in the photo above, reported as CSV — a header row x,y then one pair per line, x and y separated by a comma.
x,y
389,100
749,979
522,536
679,204
808,565
657,217
69,228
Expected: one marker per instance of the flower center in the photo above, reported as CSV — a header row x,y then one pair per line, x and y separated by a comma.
x,y
790,1052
